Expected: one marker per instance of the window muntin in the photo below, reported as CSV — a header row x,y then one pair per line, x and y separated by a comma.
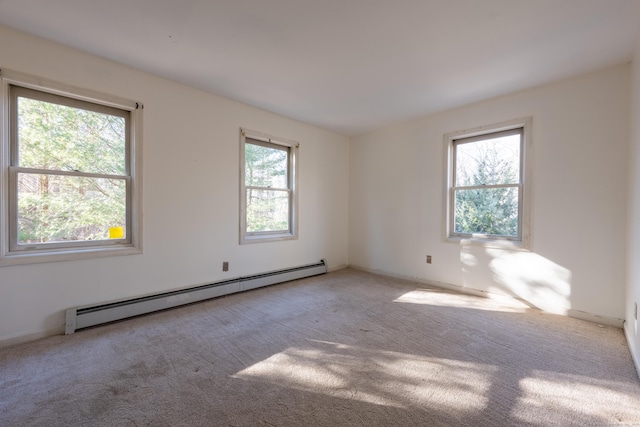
x,y
486,193
72,161
268,199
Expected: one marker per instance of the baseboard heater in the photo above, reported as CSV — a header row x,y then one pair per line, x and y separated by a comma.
x,y
84,317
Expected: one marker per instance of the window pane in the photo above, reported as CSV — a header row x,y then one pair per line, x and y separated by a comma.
x,y
267,210
487,211
59,208
265,166
492,161
57,137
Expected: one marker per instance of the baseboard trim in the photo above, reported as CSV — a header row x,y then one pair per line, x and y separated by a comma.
x,y
576,314
337,267
632,349
595,318
9,342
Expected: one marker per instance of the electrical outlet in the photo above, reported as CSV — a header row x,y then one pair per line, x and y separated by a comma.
x,y
428,259
225,266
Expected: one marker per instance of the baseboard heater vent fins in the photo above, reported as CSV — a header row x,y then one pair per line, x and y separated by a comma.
x,y
84,317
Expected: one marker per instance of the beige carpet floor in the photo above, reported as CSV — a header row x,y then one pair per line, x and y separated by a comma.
x,y
343,349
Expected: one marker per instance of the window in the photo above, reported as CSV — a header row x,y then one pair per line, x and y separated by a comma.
x,y
268,193
487,194
70,161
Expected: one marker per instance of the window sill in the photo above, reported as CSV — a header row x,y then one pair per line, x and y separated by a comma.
x,y
267,238
493,243
20,258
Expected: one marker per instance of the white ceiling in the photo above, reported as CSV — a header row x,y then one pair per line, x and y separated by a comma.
x,y
350,66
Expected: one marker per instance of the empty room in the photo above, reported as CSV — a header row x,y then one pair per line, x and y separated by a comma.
x,y
341,212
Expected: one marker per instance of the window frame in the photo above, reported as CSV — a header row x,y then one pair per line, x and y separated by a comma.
x,y
259,138
14,85
453,139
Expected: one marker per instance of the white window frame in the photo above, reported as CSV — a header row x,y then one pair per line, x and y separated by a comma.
x,y
292,188
11,253
523,240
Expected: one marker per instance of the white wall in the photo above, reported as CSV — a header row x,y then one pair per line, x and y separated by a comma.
x,y
632,325
191,195
580,139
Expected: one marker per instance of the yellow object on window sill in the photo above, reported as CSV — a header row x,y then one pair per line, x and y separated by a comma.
x,y
116,232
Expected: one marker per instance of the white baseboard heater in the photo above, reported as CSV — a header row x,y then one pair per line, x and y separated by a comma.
x,y
87,316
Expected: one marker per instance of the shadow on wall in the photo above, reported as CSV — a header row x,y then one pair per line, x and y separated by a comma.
x,y
534,279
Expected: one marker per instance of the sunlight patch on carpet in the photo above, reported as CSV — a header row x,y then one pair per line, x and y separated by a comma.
x,y
561,393
445,299
377,377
